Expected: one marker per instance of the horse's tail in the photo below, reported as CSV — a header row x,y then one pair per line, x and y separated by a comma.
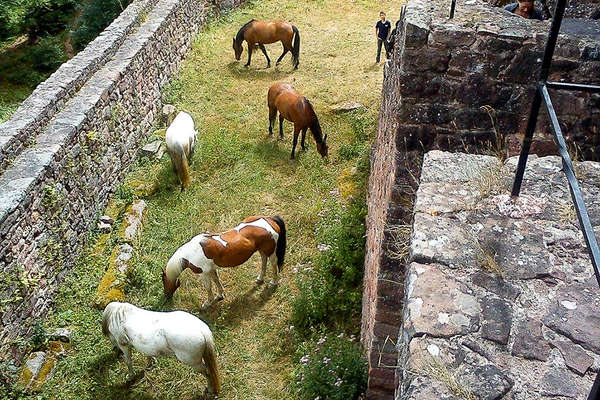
x,y
210,360
181,165
296,47
281,241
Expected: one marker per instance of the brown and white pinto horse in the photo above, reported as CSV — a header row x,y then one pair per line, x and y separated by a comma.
x,y
205,252
295,108
259,33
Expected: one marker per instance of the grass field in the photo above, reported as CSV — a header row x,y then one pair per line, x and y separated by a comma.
x,y
237,171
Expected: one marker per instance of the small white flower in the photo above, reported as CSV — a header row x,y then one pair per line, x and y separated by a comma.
x,y
338,382
321,341
323,247
304,359
326,360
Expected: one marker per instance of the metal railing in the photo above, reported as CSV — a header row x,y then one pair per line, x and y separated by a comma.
x,y
542,95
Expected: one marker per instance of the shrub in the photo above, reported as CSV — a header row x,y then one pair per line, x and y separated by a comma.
x,y
332,291
96,15
47,56
330,369
47,17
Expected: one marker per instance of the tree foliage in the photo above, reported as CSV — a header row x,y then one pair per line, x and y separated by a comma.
x,y
97,15
36,18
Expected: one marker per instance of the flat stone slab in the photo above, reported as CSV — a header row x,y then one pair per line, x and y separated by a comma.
x,y
438,305
500,297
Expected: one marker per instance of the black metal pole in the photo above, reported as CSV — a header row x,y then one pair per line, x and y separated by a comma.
x,y
452,8
537,99
573,86
595,392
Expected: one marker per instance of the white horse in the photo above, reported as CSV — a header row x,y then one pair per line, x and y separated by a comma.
x,y
181,139
205,252
163,334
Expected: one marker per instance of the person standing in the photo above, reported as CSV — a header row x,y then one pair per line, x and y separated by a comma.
x,y
382,32
525,8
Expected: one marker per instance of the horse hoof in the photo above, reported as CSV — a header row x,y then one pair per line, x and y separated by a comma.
x,y
220,298
259,281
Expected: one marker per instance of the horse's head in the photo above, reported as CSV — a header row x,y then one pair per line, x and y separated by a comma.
x,y
237,48
322,147
169,287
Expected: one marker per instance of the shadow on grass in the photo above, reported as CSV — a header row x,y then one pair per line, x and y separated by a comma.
x,y
238,70
99,369
273,151
243,307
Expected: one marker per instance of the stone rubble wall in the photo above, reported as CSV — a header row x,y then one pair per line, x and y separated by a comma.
x,y
469,81
49,96
461,85
575,8
56,188
500,296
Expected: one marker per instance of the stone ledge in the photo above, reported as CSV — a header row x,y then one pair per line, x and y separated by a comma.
x,y
498,305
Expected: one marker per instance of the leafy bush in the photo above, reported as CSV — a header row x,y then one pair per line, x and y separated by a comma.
x,y
331,293
97,15
330,369
47,17
47,56
32,64
11,18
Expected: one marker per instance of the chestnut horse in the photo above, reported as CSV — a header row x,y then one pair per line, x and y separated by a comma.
x,y
205,252
259,33
297,109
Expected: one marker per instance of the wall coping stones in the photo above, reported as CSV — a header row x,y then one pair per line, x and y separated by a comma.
x,y
471,329
53,191
46,99
32,162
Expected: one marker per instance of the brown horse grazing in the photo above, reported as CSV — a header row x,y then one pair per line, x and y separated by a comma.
x,y
297,109
259,33
205,252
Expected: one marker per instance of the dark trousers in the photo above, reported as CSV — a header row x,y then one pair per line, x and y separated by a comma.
x,y
386,45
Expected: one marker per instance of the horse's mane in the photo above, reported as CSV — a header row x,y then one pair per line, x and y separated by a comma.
x,y
111,313
315,127
240,35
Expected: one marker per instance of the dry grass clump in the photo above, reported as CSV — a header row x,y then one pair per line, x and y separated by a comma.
x,y
434,368
400,247
487,254
489,180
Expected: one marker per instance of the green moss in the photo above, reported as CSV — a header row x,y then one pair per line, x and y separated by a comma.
x,y
109,289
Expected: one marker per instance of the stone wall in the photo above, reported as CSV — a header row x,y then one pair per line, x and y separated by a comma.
x,y
500,296
575,8
55,187
460,85
49,96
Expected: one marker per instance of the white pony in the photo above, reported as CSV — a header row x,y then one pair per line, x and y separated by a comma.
x,y
162,334
181,139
